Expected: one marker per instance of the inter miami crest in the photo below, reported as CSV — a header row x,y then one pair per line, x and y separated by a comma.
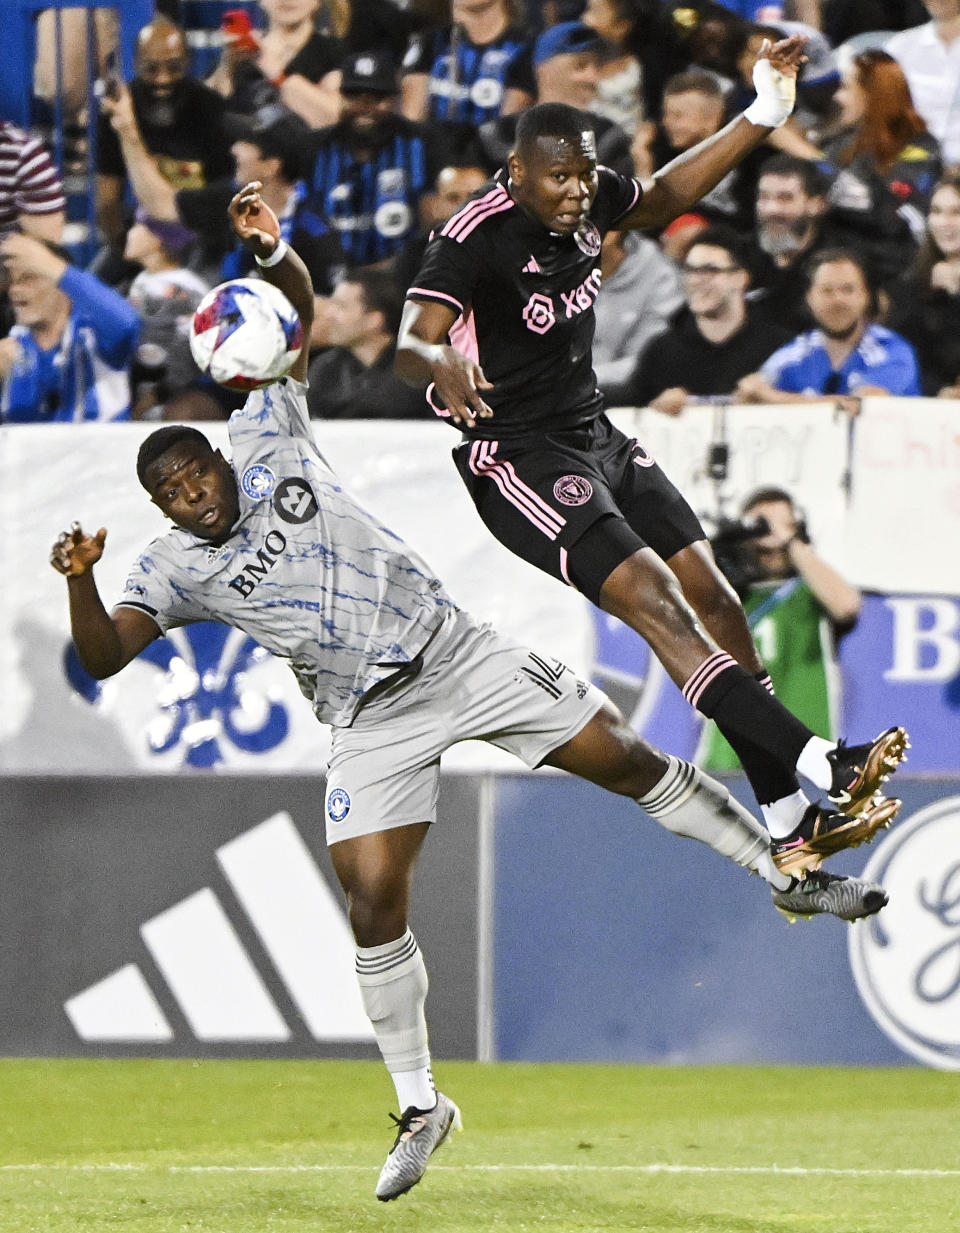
x,y
588,239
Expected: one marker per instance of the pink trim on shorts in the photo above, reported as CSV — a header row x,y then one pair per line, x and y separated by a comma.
x,y
514,490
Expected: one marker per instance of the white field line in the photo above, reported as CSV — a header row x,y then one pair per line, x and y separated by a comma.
x,y
753,1170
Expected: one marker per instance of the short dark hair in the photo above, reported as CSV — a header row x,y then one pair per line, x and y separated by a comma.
x,y
763,495
815,181
721,235
550,120
381,294
162,440
826,255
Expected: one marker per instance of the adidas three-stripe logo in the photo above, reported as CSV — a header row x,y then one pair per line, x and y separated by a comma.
x,y
210,973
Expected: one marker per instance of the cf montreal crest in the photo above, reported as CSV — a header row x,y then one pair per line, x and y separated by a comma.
x,y
258,481
338,805
588,239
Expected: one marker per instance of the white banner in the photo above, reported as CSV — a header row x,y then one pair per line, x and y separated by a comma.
x,y
216,701
903,527
802,449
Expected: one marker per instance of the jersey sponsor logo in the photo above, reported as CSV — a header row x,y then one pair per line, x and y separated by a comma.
x,y
538,313
581,298
532,267
573,490
392,182
258,481
906,961
588,239
254,572
294,500
338,804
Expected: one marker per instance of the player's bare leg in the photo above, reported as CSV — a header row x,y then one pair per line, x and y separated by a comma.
x,y
716,603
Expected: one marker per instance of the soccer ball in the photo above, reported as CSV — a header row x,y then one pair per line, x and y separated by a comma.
x,y
245,334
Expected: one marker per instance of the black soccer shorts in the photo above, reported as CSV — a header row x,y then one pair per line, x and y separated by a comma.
x,y
540,495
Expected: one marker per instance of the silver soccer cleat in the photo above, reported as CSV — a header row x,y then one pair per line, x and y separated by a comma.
x,y
819,892
419,1135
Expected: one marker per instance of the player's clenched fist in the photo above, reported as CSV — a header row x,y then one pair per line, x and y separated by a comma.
x,y
74,552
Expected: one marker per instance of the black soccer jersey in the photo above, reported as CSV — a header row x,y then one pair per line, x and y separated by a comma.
x,y
525,297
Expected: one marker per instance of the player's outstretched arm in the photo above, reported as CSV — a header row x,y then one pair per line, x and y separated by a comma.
x,y
423,355
257,226
104,643
679,185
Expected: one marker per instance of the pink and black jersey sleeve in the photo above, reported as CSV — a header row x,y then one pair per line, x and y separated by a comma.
x,y
456,254
616,196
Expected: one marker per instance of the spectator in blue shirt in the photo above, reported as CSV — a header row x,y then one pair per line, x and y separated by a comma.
x,y
846,356
68,356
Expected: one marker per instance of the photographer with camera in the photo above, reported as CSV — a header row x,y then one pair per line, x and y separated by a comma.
x,y
797,607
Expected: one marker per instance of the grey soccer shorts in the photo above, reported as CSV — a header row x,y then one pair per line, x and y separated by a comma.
x,y
475,684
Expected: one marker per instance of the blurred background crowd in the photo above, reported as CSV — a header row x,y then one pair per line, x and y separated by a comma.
x,y
825,267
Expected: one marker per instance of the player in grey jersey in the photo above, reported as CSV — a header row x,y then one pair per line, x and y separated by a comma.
x,y
274,545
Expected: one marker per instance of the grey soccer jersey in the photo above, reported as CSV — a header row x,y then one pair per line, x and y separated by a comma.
x,y
307,572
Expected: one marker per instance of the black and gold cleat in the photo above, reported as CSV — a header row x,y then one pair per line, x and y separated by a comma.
x,y
822,832
859,771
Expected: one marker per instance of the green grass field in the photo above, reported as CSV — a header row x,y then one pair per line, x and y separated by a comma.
x,y
292,1147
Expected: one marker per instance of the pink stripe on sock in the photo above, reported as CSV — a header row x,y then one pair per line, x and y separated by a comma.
x,y
705,675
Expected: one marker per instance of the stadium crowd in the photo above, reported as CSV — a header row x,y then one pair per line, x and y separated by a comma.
x,y
826,265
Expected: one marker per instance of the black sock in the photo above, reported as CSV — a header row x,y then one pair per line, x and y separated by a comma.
x,y
749,716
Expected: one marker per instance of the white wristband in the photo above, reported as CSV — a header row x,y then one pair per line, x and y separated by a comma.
x,y
776,95
278,254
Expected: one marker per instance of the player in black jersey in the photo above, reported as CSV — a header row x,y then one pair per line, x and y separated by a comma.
x,y
500,323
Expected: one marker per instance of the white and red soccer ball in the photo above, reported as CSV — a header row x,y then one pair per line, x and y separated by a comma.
x,y
245,334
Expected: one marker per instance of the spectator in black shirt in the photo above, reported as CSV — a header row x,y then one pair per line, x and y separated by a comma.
x,y
800,211
370,169
354,377
179,120
715,340
272,148
290,62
